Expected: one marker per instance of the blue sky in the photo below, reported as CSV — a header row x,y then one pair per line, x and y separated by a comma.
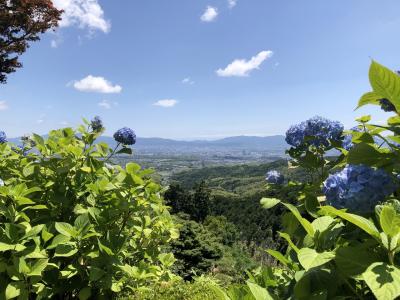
x,y
310,57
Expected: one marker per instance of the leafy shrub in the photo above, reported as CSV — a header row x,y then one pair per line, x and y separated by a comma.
x,y
334,253
73,225
200,289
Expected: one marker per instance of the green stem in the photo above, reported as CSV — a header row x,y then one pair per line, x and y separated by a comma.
x,y
391,257
112,153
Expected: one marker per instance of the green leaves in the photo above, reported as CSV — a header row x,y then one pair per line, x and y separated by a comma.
x,y
369,98
65,250
309,258
38,267
385,83
359,221
390,221
66,229
65,211
269,202
259,292
354,260
383,280
13,290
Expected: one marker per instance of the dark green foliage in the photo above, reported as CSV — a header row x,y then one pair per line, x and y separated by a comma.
x,y
197,250
226,232
195,203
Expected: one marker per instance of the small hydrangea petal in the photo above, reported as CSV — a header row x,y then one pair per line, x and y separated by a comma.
x,y
274,177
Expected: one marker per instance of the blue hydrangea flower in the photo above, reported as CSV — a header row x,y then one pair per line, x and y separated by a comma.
x,y
274,177
387,106
125,136
3,137
295,134
316,131
358,188
96,124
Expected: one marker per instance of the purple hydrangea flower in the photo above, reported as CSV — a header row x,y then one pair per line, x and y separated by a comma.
x,y
3,137
96,124
387,106
274,177
316,131
125,136
358,188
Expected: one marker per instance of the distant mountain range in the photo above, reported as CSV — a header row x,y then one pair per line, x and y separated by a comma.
x,y
243,143
275,144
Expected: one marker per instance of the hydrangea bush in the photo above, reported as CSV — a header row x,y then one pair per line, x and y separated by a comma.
x,y
71,227
343,234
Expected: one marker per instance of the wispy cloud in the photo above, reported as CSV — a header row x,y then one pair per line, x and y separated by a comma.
x,y
210,14
242,67
83,14
96,84
166,103
107,104
187,80
232,3
3,105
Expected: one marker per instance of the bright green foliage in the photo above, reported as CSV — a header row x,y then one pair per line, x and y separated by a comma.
x,y
73,225
202,288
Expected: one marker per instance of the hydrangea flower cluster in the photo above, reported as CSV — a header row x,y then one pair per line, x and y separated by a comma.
x,y
274,177
316,131
358,188
3,137
387,106
96,124
1,182
295,134
125,136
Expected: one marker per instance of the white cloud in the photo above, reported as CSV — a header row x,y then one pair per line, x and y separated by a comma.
x,y
83,13
40,121
187,80
96,84
209,14
242,67
232,3
3,105
166,103
107,104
